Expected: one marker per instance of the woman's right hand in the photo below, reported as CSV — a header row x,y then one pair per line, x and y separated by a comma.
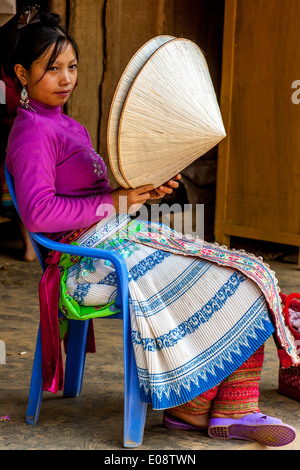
x,y
129,201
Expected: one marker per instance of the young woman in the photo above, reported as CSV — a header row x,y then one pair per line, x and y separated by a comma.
x,y
200,313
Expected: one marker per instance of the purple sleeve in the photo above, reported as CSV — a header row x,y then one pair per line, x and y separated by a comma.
x,y
32,163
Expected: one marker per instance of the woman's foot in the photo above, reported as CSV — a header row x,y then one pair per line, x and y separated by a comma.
x,y
29,253
195,421
255,427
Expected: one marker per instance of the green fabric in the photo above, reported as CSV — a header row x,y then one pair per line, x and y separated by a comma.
x,y
68,306
63,324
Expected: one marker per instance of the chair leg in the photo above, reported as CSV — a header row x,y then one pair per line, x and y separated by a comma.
x,y
36,385
134,409
75,360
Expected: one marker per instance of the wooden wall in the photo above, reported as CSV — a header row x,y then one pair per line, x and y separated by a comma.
x,y
259,163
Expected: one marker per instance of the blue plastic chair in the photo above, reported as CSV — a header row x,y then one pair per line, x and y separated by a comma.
x,y
134,409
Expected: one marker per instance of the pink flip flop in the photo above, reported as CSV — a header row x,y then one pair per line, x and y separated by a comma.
x,y
256,427
175,423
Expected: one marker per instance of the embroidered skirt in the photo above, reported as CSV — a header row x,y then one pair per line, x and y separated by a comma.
x,y
194,321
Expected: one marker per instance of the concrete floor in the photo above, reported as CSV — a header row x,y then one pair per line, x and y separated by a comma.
x,y
94,421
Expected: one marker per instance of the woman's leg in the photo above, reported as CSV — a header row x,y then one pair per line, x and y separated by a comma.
x,y
235,397
197,411
231,409
29,253
235,412
238,395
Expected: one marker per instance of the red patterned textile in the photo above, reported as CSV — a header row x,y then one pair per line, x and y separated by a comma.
x,y
238,394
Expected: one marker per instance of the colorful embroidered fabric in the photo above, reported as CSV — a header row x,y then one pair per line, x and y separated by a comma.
x,y
193,322
69,305
253,267
238,394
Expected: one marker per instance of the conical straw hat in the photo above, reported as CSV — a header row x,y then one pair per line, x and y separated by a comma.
x,y
133,68
170,115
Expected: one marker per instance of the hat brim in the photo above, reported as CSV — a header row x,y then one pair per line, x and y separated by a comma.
x,y
131,71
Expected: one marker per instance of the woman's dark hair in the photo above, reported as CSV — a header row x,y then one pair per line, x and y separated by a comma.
x,y
34,39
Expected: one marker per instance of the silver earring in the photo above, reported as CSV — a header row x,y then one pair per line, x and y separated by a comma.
x,y
24,101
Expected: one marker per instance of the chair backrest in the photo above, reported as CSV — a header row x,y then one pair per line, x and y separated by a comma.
x,y
11,187
39,250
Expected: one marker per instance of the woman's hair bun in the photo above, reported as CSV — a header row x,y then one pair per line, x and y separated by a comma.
x,y
49,19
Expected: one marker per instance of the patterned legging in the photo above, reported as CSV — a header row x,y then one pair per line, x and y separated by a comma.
x,y
238,394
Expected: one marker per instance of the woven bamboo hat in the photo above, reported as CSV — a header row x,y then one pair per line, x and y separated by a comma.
x,y
164,114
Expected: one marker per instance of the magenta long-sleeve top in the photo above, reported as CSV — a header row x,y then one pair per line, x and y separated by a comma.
x,y
60,181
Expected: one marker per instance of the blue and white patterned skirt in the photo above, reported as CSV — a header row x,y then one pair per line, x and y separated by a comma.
x,y
193,322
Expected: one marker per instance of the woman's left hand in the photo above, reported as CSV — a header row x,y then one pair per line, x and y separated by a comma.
x,y
166,188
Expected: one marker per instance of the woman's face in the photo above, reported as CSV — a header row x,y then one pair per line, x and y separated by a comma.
x,y
58,81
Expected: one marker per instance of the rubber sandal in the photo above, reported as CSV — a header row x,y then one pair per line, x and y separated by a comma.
x,y
175,423
256,427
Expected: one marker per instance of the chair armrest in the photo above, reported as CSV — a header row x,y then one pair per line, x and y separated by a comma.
x,y
117,260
